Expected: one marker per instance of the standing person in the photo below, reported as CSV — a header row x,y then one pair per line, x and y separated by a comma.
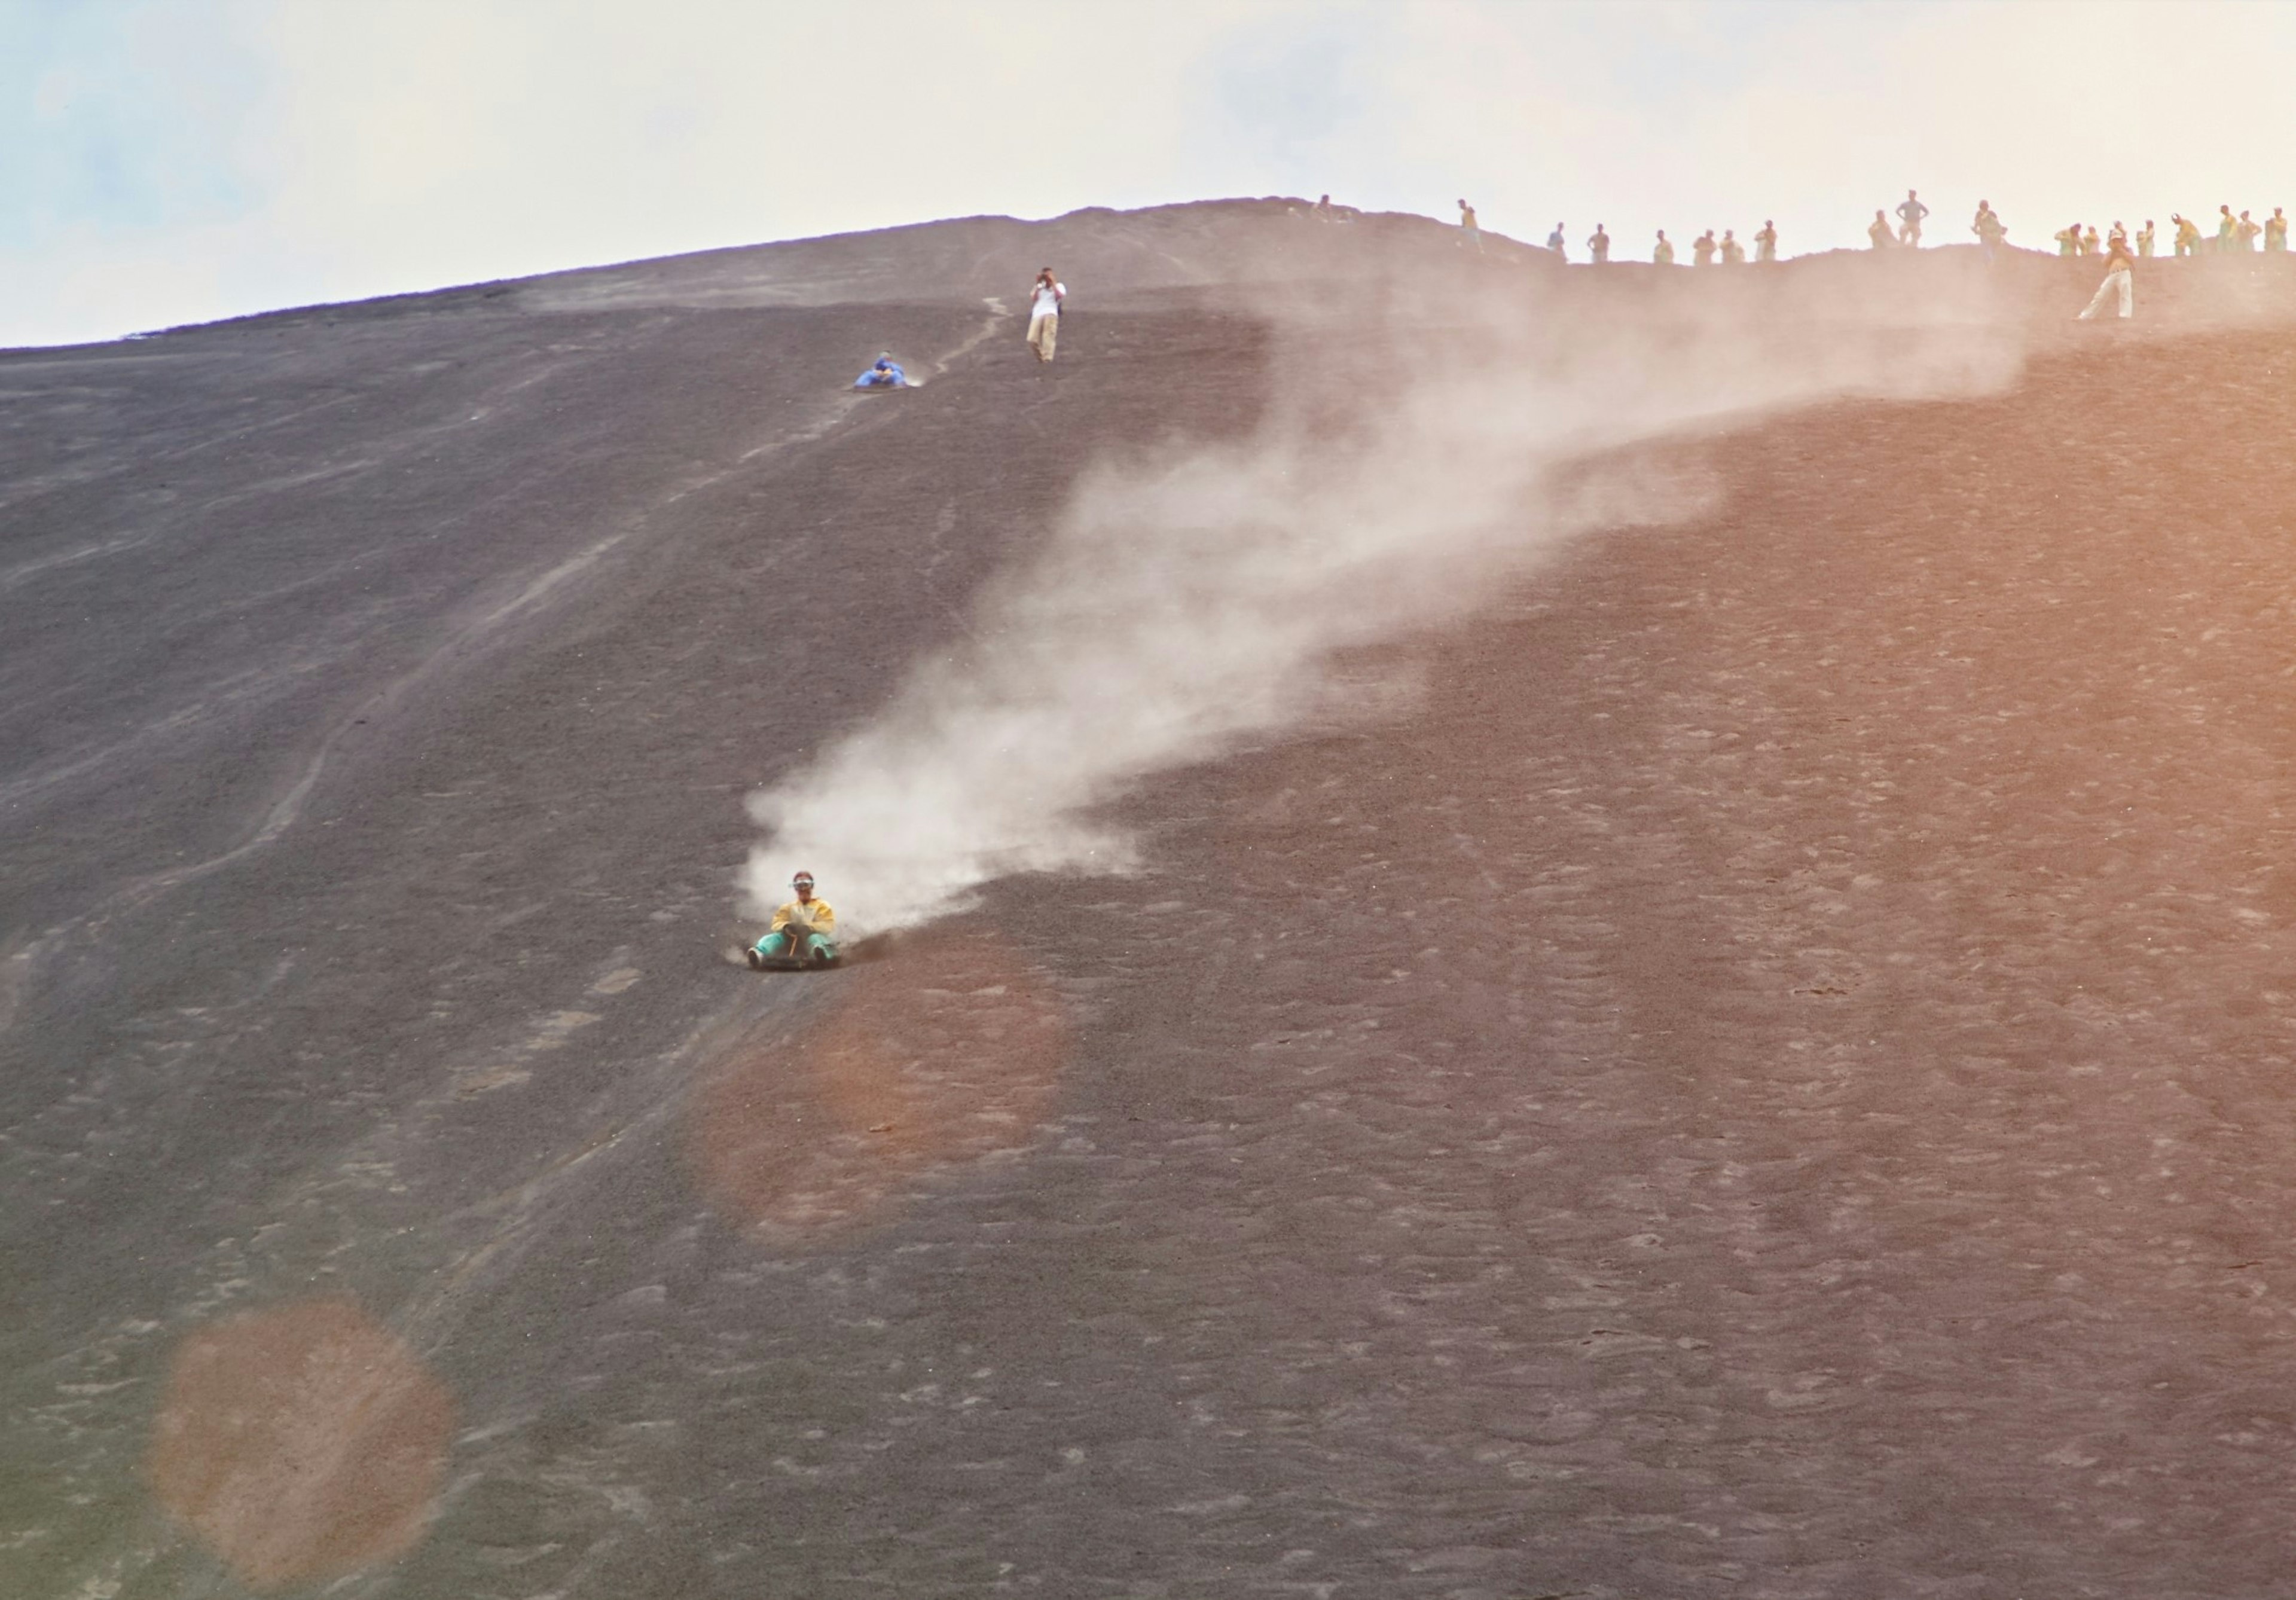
x,y
1987,226
2187,235
804,930
2069,240
1880,232
2227,230
1662,252
2119,283
1701,249
1554,241
2144,240
1733,254
1909,216
1045,298
2246,235
2275,232
1469,234
1766,243
2089,242
1598,245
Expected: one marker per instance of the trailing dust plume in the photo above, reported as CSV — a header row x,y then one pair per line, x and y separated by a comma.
x,y
1428,443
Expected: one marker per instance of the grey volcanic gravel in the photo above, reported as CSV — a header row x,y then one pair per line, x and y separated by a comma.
x,y
1772,1078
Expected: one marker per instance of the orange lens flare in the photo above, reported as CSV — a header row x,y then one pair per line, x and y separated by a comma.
x,y
925,1063
300,1443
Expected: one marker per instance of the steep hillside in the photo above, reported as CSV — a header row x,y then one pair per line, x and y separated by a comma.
x,y
1737,1042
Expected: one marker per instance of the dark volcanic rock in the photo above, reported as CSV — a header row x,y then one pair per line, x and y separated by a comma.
x,y
1770,1080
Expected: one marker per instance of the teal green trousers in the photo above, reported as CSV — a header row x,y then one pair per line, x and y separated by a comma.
x,y
774,947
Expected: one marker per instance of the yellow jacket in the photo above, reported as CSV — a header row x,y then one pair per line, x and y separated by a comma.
x,y
814,914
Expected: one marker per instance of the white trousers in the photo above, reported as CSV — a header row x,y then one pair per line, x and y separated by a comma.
x,y
2122,285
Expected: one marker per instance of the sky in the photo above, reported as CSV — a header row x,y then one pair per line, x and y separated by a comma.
x,y
167,161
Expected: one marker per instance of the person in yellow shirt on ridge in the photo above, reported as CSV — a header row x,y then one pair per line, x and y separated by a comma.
x,y
1987,227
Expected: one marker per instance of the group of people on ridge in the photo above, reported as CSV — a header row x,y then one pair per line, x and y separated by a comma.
x,y
2234,236
1705,250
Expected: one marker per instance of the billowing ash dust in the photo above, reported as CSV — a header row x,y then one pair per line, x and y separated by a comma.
x,y
1418,457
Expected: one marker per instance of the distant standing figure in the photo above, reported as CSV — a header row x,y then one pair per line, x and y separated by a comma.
x,y
1598,245
1045,298
1766,243
2089,242
1987,226
2187,236
2144,240
1662,252
2227,229
2069,240
2275,232
2246,234
1554,241
1909,217
1469,234
1733,254
1881,233
1701,249
2120,284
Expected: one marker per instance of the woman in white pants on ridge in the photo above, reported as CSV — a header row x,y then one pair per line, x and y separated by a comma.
x,y
2120,281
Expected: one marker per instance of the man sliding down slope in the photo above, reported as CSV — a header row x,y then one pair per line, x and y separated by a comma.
x,y
800,934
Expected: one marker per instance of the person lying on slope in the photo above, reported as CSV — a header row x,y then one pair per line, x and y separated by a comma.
x,y
803,928
886,374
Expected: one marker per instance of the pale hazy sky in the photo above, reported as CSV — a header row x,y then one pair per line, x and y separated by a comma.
x,y
174,160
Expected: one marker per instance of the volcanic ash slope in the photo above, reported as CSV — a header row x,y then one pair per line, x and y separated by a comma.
x,y
1608,933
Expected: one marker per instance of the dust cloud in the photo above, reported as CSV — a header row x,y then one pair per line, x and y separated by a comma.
x,y
1421,453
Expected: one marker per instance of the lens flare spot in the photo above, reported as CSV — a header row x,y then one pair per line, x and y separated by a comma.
x,y
929,1063
300,1443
